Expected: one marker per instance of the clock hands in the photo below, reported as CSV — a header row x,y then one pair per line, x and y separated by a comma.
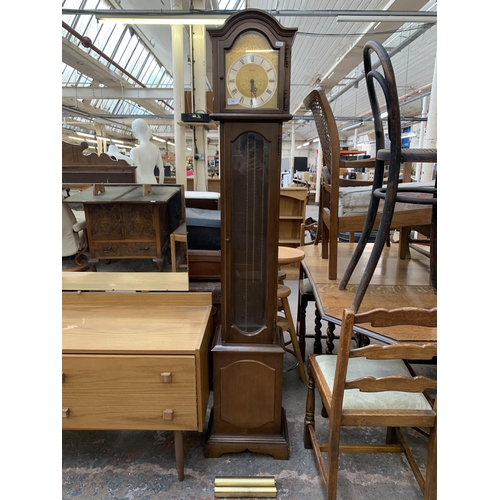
x,y
253,90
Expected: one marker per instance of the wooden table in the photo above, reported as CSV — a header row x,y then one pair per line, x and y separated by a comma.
x,y
137,361
124,223
396,283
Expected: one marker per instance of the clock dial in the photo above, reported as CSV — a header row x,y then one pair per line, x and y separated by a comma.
x,y
252,81
252,76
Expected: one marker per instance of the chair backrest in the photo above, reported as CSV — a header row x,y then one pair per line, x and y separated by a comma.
x,y
387,82
328,135
392,375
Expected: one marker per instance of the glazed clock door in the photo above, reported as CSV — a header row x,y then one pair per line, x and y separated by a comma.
x,y
250,177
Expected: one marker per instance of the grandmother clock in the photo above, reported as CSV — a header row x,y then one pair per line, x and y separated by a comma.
x,y
251,81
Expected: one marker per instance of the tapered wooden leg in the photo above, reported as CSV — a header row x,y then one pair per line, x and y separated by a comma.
x,y
325,238
179,454
301,326
293,337
430,492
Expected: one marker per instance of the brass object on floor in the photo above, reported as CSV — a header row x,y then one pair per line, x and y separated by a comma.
x,y
245,487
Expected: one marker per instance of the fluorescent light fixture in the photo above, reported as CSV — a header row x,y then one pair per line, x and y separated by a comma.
x,y
79,139
384,114
353,126
298,147
389,19
171,143
158,139
316,140
189,149
91,136
306,144
165,18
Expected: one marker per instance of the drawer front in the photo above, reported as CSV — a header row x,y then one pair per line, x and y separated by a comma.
x,y
129,392
109,249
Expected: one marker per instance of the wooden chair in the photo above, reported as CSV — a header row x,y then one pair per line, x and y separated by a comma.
x,y
374,386
330,223
392,193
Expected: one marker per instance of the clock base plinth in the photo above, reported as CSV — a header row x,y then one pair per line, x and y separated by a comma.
x,y
247,413
275,445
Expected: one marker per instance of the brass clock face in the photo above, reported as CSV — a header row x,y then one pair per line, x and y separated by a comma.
x,y
252,77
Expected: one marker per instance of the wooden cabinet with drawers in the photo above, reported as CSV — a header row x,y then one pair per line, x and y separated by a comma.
x,y
122,223
136,361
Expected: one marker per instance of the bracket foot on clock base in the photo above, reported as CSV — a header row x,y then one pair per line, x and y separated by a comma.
x,y
276,445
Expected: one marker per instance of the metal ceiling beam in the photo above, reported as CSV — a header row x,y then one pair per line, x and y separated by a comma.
x,y
132,94
424,16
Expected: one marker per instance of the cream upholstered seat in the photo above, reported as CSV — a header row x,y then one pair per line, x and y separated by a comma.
x,y
374,386
354,399
74,240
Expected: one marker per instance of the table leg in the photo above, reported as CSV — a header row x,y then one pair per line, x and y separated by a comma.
x,y
179,454
330,338
301,327
318,348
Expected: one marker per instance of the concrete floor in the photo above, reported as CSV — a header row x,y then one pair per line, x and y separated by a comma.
x,y
112,465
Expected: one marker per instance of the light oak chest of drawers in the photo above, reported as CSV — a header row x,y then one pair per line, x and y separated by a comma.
x,y
136,361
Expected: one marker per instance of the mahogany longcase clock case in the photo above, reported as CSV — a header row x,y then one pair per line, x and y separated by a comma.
x,y
251,81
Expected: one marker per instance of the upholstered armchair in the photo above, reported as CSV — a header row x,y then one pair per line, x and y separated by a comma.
x,y
74,240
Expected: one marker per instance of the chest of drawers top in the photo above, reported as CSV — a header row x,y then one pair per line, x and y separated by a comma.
x,y
134,323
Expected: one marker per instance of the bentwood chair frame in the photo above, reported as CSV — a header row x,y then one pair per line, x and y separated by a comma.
x,y
395,156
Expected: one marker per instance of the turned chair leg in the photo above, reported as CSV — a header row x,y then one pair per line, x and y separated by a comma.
x,y
309,418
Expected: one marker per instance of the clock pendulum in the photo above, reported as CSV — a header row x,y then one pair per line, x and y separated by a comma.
x,y
251,60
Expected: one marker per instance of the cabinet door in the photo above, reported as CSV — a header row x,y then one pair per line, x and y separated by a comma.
x,y
104,221
138,221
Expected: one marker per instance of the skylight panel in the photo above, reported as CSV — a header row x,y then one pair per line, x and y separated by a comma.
x,y
72,78
230,4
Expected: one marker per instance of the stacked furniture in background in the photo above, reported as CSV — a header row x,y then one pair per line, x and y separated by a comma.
x,y
80,169
331,218
293,201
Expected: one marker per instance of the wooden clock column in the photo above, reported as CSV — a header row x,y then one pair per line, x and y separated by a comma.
x,y
251,93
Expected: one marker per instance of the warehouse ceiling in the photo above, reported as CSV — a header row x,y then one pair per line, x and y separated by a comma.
x,y
102,93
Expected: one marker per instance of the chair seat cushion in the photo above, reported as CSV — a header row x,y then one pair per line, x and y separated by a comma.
x,y
355,200
354,399
203,229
